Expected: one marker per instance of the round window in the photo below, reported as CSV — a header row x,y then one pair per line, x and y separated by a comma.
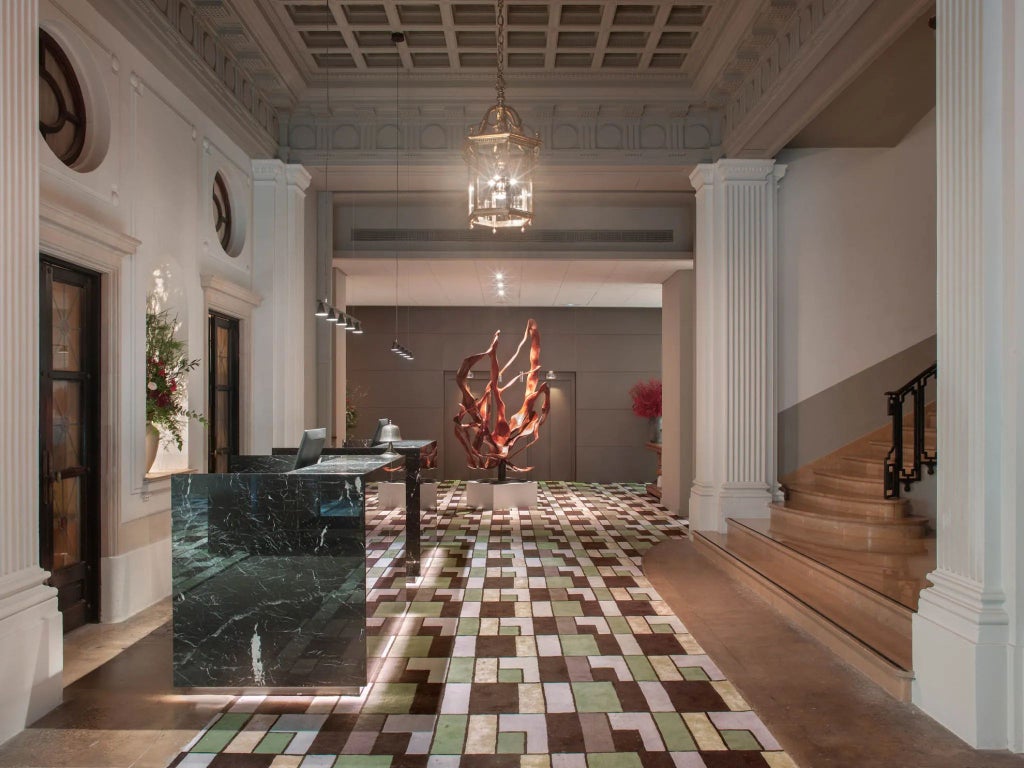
x,y
222,212
62,117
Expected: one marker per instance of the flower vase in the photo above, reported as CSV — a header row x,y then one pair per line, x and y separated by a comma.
x,y
655,435
152,444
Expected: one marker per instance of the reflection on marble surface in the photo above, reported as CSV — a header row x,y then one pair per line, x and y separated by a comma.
x,y
269,580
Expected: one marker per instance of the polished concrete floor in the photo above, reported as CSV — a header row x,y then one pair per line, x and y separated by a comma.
x,y
824,713
123,712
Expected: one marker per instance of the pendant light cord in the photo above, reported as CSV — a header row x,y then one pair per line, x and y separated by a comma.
x,y
499,80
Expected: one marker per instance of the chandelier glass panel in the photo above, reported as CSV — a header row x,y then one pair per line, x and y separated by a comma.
x,y
501,158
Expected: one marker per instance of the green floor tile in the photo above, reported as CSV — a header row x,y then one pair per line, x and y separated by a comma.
x,y
460,670
641,668
468,627
614,760
566,608
510,675
221,733
509,631
390,698
740,740
449,735
409,647
693,673
619,626
363,761
273,744
579,645
595,697
511,743
673,729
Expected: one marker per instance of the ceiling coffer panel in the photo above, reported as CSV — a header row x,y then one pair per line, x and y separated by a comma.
x,y
551,37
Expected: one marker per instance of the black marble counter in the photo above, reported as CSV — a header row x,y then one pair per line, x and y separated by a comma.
x,y
419,455
269,576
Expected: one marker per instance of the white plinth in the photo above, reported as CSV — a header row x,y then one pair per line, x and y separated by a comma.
x,y
428,495
390,495
522,495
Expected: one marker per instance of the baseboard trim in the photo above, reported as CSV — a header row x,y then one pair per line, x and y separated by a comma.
x,y
133,581
892,679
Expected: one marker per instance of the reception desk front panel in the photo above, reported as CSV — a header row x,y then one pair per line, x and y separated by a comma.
x,y
269,575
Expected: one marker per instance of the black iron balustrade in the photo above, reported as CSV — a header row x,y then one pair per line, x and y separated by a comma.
x,y
895,471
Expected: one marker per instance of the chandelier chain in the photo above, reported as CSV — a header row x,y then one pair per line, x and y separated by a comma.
x,y
499,82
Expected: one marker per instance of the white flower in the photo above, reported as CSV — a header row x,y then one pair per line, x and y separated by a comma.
x,y
151,386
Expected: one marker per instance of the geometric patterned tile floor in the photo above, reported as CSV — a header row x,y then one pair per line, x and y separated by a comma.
x,y
532,640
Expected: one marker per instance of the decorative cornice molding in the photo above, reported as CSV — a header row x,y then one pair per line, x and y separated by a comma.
x,y
221,292
195,45
798,45
369,137
723,170
56,222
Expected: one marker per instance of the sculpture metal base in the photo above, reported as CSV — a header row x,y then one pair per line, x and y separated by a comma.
x,y
487,494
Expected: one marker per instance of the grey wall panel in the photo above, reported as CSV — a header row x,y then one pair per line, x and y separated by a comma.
x,y
840,414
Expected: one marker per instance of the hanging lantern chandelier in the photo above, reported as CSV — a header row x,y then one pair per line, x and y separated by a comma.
x,y
501,158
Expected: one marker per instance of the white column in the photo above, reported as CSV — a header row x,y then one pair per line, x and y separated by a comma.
x,y
735,422
677,333
967,634
31,644
279,323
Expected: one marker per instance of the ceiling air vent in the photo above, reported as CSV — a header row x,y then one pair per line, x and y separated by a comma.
x,y
529,236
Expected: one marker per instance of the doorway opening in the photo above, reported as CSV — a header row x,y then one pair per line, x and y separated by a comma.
x,y
69,437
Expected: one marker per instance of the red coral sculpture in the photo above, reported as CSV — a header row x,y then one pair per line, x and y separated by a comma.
x,y
489,438
647,398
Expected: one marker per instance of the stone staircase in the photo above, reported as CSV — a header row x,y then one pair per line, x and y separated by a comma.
x,y
839,559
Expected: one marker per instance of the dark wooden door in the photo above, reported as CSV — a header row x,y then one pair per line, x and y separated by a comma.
x,y
224,391
69,357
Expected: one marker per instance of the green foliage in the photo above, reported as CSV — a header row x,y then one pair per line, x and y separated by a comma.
x,y
167,366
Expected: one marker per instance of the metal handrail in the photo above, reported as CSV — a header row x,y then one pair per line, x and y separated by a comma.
x,y
895,472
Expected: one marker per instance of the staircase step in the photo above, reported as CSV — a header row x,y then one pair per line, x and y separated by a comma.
x,y
813,496
845,531
866,629
850,481
868,466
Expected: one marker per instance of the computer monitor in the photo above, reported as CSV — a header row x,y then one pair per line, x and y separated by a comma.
x,y
310,446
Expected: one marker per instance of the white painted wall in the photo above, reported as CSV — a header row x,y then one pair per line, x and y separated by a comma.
x,y
151,178
856,259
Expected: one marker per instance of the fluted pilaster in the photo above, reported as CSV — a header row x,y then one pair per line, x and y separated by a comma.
x,y
30,626
967,675
279,325
735,358
19,289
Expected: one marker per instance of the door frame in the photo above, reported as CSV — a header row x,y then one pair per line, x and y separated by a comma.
x,y
82,242
234,373
92,520
232,300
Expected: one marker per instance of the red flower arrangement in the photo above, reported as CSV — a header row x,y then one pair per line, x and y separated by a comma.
x,y
647,398
166,364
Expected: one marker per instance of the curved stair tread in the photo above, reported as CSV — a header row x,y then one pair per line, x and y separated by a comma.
x,y
845,517
839,474
811,489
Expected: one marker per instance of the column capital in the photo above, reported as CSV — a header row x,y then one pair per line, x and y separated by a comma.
x,y
740,169
298,176
268,169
